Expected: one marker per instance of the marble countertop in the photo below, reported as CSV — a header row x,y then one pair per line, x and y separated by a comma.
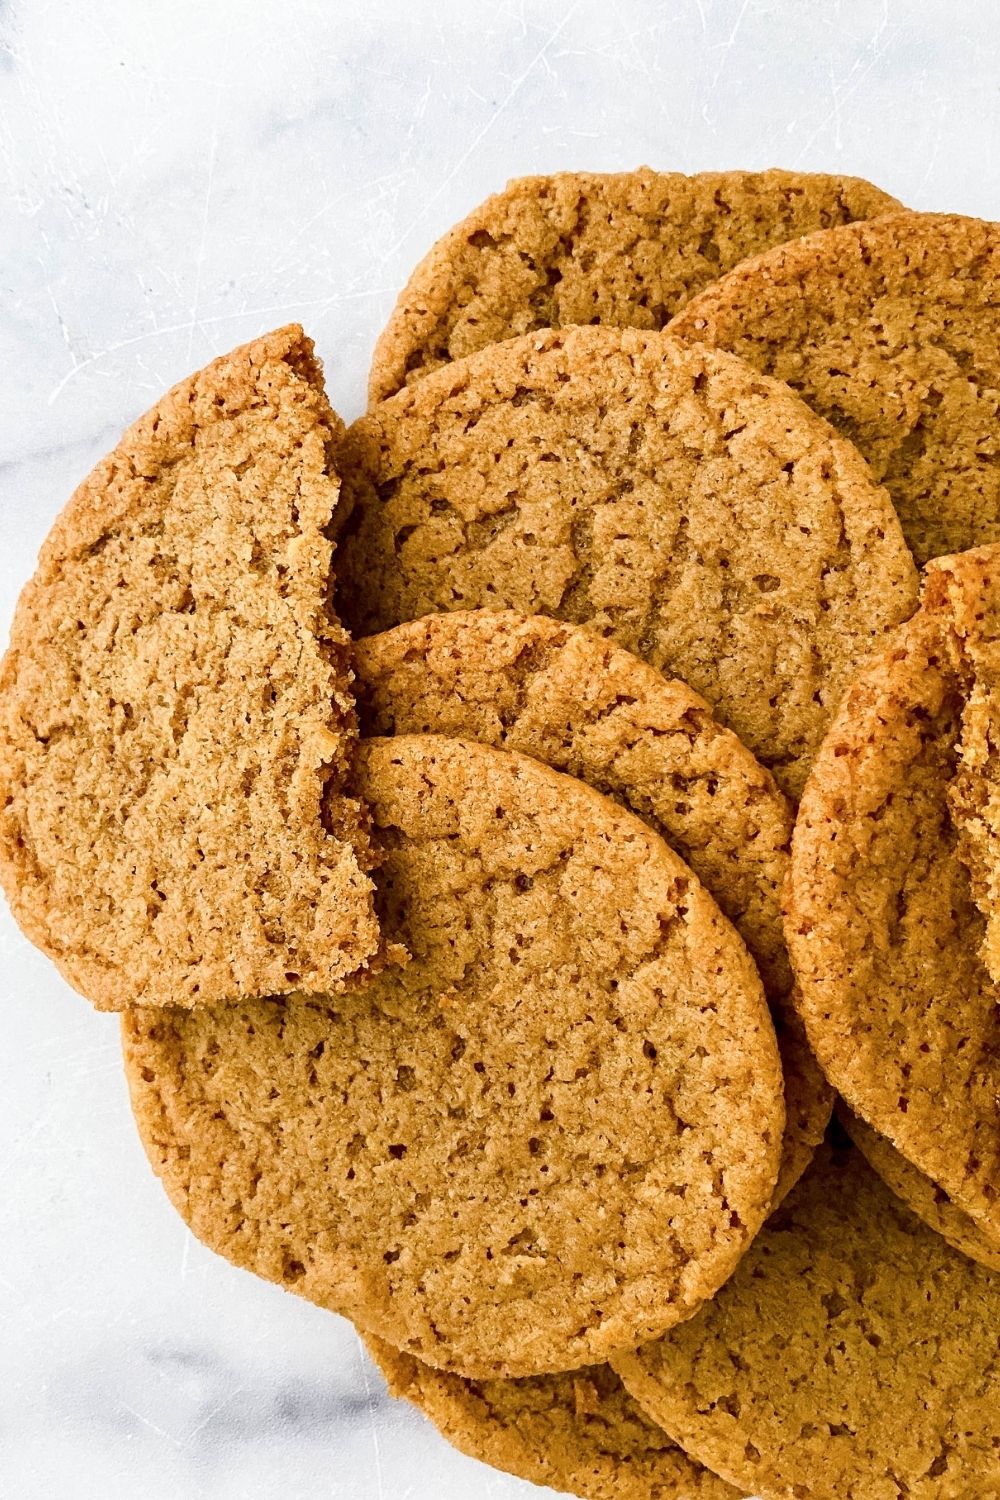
x,y
175,179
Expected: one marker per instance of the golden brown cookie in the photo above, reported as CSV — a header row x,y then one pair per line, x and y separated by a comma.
x,y
927,1201
583,705
890,330
854,1355
626,249
579,1432
175,706
965,592
882,926
667,496
553,1132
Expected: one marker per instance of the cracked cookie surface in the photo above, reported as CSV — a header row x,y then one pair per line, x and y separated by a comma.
x,y
919,1193
852,1356
891,331
553,1131
669,497
176,709
626,249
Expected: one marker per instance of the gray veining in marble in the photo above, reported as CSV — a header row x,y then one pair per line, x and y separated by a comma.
x,y
174,179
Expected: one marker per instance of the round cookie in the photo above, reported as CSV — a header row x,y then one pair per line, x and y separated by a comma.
x,y
667,496
175,706
926,1200
553,1132
854,1355
579,1432
882,925
890,330
625,249
583,705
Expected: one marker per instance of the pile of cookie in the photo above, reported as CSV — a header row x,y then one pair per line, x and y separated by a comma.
x,y
506,825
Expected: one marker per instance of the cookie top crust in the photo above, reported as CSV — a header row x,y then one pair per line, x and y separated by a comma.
x,y
919,1193
667,496
891,330
176,715
626,249
554,1130
963,592
889,855
852,1356
579,1432
584,706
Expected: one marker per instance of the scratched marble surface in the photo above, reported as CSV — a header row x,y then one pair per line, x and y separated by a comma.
x,y
173,180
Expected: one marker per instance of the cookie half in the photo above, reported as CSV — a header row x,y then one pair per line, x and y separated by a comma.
x,y
553,1132
626,249
890,330
583,705
926,1200
886,939
579,1432
176,715
853,1355
669,497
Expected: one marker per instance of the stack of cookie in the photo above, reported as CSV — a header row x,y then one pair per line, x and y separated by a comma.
x,y
496,913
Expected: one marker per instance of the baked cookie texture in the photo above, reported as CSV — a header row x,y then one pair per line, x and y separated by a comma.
x,y
667,496
854,1355
884,932
584,706
965,592
579,1432
176,716
924,1197
890,330
626,249
551,1134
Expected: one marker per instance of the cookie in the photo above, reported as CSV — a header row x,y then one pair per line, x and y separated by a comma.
x,y
626,249
964,591
926,1200
882,925
176,706
553,1131
854,1355
890,330
584,706
667,496
579,1432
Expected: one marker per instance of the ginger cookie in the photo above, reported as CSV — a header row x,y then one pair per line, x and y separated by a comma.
x,y
890,330
583,705
926,1200
882,925
552,1132
626,249
176,715
854,1355
579,1432
965,592
668,497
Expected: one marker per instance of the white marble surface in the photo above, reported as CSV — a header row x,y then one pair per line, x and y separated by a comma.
x,y
175,179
